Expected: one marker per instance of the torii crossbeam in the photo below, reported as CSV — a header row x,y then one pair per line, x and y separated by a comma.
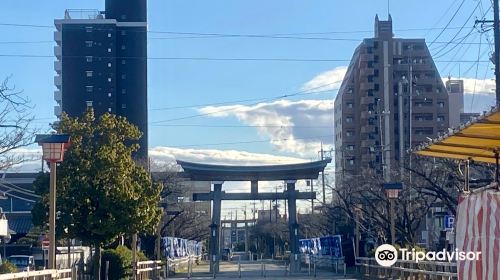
x,y
217,174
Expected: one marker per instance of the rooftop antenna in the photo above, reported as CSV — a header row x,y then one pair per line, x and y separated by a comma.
x,y
388,8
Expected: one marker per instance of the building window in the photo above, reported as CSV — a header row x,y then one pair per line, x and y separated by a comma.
x,y
109,50
124,91
124,32
348,120
350,162
89,73
109,64
109,109
350,147
349,133
440,118
89,88
109,80
109,35
89,58
440,104
124,106
123,47
124,62
88,103
350,105
88,29
123,16
124,76
89,44
109,94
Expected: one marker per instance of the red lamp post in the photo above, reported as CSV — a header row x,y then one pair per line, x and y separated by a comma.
x,y
53,146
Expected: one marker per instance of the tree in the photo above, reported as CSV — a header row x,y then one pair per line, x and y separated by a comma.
x,y
15,125
102,193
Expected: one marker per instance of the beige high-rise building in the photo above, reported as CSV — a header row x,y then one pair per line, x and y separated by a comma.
x,y
384,74
456,96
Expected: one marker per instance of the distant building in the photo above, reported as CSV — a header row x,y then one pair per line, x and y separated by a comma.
x,y
102,63
370,131
467,117
17,200
456,96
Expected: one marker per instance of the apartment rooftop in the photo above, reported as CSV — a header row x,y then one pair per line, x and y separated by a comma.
x,y
83,14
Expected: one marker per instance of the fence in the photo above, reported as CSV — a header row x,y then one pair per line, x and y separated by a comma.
x,y
408,269
49,274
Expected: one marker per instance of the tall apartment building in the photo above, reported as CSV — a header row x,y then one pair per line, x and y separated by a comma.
x,y
383,75
102,63
456,97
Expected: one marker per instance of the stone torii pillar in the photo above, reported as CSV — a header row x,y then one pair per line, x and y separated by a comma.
x,y
215,227
293,227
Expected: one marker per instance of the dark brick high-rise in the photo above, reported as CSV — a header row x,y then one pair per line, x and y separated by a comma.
x,y
102,62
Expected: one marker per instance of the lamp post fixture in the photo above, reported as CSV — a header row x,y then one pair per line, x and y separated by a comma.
x,y
392,191
53,146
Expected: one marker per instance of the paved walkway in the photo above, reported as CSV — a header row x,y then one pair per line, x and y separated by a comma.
x,y
253,270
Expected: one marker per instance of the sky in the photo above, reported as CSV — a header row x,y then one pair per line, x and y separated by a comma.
x,y
251,82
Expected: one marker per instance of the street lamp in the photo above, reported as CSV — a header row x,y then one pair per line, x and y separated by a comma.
x,y
392,191
53,147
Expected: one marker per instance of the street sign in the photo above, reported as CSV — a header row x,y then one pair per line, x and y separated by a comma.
x,y
45,243
449,222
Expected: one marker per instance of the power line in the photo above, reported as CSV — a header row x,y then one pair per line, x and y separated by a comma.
x,y
302,92
252,141
236,102
244,126
446,26
214,58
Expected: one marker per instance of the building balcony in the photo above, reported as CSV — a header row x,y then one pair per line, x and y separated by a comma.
x,y
366,57
58,96
58,66
367,100
58,37
367,129
58,52
366,86
367,143
365,115
57,111
58,81
366,72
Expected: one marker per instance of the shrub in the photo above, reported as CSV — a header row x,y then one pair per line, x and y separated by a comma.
x,y
7,267
120,262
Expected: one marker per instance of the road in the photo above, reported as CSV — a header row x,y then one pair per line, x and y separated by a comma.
x,y
253,270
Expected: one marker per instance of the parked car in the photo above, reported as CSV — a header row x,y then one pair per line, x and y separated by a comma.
x,y
23,262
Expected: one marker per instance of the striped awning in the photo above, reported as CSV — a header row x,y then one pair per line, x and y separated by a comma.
x,y
478,140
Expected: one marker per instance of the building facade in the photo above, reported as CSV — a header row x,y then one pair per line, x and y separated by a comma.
x,y
456,96
102,63
392,98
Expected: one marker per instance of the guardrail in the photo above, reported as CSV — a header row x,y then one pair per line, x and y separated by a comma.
x,y
48,274
408,269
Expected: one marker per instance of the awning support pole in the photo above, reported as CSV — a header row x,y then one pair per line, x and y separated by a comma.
x,y
467,174
497,171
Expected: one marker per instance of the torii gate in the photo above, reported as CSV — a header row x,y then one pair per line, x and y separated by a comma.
x,y
217,174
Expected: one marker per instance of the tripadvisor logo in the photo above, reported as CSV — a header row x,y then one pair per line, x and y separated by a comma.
x,y
386,255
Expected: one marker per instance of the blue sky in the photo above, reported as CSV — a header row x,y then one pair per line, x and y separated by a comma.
x,y
336,26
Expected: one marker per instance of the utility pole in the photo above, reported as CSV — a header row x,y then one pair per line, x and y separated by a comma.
x,y
496,58
323,175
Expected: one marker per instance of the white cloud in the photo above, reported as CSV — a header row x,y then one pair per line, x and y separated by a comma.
x,y
167,155
293,126
477,86
328,80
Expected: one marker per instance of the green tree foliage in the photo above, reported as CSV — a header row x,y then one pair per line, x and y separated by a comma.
x,y
7,267
102,193
120,262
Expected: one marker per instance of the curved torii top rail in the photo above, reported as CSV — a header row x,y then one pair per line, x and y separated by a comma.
x,y
214,172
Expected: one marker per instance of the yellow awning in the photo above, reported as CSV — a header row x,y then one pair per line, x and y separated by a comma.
x,y
478,140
